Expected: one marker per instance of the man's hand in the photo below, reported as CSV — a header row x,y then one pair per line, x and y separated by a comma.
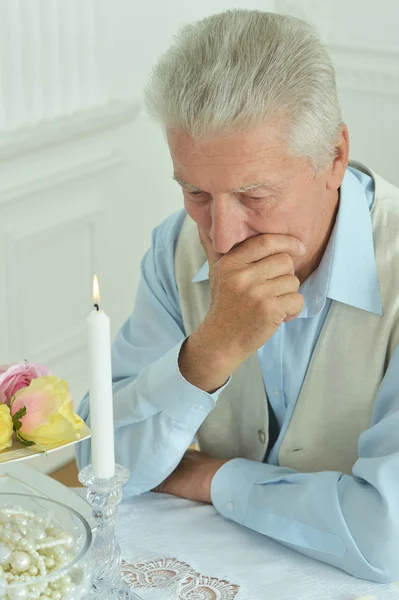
x,y
192,477
253,290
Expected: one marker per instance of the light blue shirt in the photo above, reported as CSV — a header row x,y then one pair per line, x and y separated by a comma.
x,y
157,412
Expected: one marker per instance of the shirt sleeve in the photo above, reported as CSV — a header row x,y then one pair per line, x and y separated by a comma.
x,y
157,412
351,522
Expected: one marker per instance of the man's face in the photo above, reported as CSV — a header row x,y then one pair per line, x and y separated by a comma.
x,y
290,199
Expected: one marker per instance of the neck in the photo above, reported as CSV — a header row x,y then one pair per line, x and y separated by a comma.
x,y
314,256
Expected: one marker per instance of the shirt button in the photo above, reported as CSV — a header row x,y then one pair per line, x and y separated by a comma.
x,y
277,392
229,505
262,436
198,407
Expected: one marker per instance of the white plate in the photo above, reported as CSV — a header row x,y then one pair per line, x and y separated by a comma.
x,y
20,452
20,479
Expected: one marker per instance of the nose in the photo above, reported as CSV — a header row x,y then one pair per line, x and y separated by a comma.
x,y
228,224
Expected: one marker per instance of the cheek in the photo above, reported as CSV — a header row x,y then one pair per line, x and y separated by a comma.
x,y
274,217
284,217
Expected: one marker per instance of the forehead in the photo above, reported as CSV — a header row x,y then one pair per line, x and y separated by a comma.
x,y
232,160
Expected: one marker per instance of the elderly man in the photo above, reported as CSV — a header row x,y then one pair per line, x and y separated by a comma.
x,y
266,321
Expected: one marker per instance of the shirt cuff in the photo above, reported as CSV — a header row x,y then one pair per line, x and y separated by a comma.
x,y
232,485
171,392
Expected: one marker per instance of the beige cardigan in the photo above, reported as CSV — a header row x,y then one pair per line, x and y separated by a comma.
x,y
350,359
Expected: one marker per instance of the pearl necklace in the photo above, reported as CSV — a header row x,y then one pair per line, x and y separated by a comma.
x,y
32,548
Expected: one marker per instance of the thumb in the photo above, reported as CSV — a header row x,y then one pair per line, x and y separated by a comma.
x,y
207,245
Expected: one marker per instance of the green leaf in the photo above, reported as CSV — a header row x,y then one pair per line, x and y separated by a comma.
x,y
16,418
24,442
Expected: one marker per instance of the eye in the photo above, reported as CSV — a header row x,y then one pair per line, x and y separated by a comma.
x,y
257,198
198,196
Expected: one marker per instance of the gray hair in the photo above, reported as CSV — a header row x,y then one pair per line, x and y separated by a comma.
x,y
236,69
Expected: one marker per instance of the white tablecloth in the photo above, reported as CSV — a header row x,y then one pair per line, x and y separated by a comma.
x,y
212,558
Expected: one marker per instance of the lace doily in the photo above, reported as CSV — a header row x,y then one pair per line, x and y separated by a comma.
x,y
174,575
202,587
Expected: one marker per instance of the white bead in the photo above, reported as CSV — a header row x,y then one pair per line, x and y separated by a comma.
x,y
20,562
55,585
69,589
49,562
5,554
53,531
69,541
9,577
23,522
7,536
28,544
18,594
30,548
35,589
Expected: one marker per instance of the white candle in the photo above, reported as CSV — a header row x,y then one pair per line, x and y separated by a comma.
x,y
101,405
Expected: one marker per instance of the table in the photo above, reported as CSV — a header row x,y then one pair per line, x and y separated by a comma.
x,y
174,549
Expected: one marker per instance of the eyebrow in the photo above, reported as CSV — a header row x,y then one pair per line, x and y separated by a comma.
x,y
240,190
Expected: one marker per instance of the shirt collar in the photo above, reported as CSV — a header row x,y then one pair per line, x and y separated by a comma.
x,y
347,272
203,273
353,277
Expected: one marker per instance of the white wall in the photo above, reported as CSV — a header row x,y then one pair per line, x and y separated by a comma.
x,y
362,37
85,176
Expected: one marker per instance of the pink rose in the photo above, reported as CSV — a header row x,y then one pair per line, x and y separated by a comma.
x,y
43,414
17,376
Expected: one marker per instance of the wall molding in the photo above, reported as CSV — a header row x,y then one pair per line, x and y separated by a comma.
x,y
57,178
66,346
370,69
17,142
373,70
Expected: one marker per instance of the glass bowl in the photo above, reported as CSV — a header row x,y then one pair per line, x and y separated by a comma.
x,y
44,550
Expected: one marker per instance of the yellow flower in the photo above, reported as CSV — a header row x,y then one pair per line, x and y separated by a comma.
x,y
6,428
43,414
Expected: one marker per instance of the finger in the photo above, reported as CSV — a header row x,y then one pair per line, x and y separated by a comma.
x,y
271,267
207,245
292,304
266,244
286,284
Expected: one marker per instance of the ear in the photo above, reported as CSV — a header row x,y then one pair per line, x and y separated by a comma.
x,y
340,162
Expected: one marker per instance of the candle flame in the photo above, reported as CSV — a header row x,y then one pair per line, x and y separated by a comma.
x,y
96,291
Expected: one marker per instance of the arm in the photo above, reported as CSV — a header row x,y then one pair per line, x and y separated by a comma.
x,y
157,412
349,522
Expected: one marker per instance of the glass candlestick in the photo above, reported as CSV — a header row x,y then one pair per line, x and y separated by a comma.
x,y
104,495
